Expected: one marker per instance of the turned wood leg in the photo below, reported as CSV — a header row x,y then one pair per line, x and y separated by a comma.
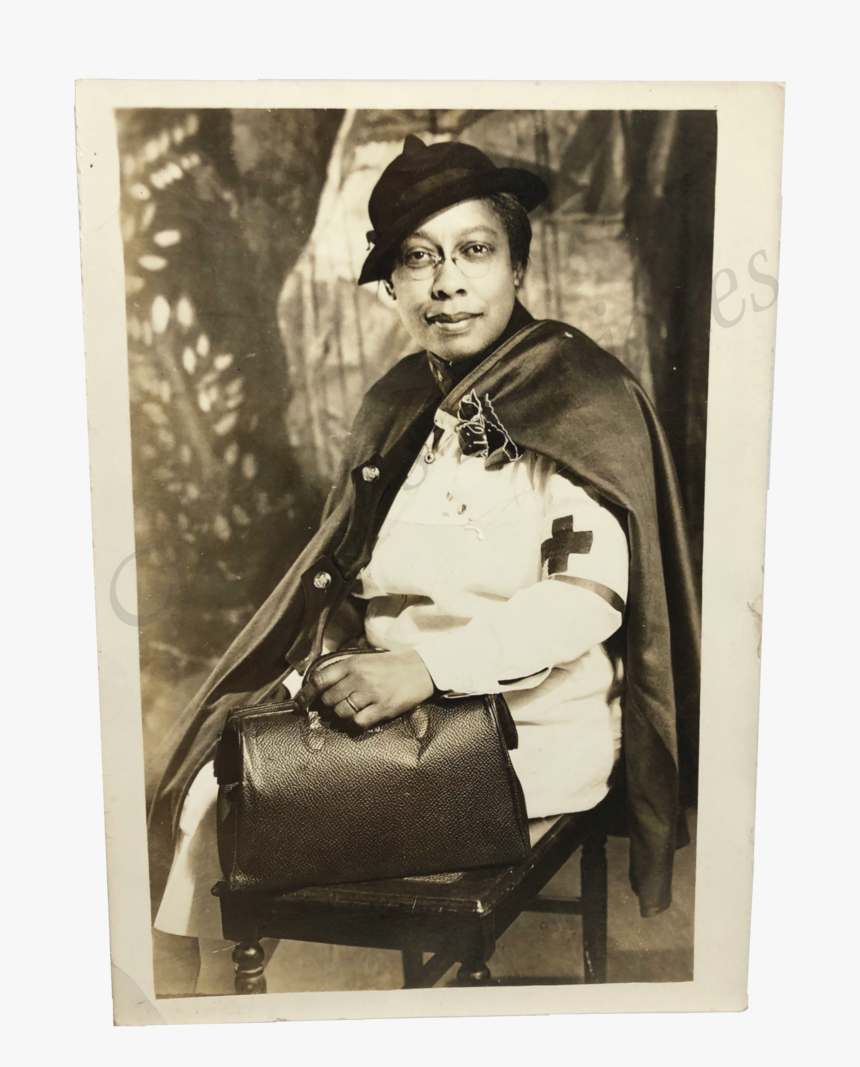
x,y
474,970
248,957
594,890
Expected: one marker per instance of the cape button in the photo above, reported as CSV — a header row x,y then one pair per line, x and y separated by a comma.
x,y
322,580
370,474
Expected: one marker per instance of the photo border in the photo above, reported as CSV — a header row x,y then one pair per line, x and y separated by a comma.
x,y
748,202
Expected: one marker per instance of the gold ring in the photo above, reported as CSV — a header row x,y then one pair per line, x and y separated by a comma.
x,y
354,708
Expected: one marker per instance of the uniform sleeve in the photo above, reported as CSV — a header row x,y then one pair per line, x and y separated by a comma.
x,y
577,604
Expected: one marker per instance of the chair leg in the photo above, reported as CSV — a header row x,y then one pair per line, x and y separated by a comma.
x,y
248,957
413,965
594,909
473,972
478,949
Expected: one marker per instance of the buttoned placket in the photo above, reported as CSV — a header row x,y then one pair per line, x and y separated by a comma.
x,y
329,579
369,480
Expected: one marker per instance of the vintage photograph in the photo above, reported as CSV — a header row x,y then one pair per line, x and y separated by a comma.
x,y
418,405
432,384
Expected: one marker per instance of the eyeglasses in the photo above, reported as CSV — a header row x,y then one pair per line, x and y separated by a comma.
x,y
472,260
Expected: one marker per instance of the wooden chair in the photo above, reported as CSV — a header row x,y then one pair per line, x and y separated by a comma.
x,y
457,917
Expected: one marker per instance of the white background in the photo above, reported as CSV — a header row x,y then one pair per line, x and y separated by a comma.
x,y
55,934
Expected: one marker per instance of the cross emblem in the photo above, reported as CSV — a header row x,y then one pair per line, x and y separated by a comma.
x,y
564,542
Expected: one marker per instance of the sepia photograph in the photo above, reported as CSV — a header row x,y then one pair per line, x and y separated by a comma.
x,y
418,429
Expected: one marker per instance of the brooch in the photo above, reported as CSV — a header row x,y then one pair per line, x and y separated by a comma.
x,y
481,433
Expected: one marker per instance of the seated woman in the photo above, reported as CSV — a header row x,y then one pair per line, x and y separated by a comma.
x,y
507,522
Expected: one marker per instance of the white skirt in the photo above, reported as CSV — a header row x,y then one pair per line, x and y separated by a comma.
x,y
188,907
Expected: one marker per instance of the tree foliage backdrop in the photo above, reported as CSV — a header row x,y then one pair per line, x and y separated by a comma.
x,y
250,344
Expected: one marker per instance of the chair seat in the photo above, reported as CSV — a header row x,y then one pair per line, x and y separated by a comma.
x,y
457,916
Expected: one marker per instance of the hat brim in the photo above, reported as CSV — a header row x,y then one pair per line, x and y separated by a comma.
x,y
528,188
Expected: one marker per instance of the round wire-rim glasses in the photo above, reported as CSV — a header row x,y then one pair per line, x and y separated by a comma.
x,y
472,260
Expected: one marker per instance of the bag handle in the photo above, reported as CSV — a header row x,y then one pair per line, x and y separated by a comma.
x,y
495,702
334,657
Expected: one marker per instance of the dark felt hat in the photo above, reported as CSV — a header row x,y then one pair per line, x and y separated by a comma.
x,y
426,179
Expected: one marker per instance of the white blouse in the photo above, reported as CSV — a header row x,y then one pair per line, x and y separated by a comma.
x,y
509,581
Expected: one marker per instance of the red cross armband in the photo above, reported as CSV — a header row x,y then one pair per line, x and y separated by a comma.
x,y
584,543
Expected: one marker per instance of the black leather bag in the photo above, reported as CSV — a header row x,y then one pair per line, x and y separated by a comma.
x,y
304,801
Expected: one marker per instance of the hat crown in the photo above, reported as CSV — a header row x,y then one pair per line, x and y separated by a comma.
x,y
405,179
413,146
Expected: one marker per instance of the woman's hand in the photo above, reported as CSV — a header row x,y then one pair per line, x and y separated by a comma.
x,y
379,687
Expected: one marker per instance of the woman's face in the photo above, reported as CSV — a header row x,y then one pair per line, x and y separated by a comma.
x,y
453,281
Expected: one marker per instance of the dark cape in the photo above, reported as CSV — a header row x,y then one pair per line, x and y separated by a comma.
x,y
555,392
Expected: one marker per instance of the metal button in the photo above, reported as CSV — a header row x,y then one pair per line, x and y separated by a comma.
x,y
322,580
429,457
370,474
